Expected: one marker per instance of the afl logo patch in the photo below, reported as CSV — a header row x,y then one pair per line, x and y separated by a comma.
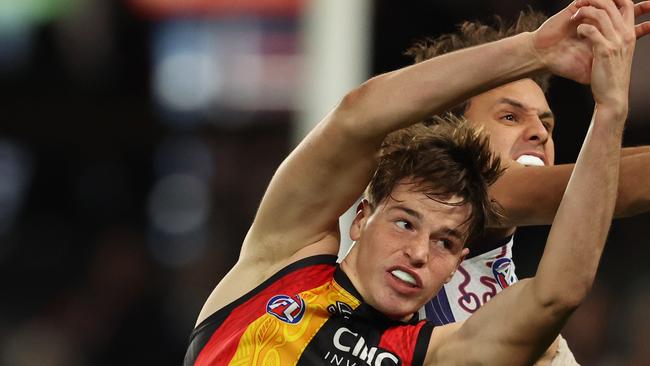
x,y
503,270
286,308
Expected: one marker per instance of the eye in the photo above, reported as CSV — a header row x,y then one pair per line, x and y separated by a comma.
x,y
509,117
403,224
548,126
443,243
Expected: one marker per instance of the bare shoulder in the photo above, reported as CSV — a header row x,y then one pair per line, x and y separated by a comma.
x,y
252,269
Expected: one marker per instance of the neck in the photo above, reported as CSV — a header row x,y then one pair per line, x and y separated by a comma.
x,y
348,267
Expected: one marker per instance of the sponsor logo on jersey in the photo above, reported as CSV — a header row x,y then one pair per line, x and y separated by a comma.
x,y
503,270
286,308
350,346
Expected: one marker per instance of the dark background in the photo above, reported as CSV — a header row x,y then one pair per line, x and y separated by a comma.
x,y
88,155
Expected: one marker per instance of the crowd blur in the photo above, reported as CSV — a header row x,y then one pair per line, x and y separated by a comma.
x,y
136,141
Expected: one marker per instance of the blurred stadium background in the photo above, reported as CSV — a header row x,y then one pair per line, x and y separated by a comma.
x,y
137,138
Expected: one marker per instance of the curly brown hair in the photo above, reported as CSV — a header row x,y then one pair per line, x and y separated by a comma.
x,y
475,33
449,158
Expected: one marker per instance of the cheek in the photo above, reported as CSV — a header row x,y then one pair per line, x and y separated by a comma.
x,y
501,143
502,137
550,152
442,265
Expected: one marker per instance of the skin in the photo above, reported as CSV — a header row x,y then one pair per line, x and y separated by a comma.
x,y
531,196
518,121
410,232
517,326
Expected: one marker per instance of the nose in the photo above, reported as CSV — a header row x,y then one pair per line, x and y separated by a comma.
x,y
536,131
417,252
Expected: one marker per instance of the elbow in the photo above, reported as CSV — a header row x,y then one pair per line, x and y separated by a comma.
x,y
354,113
358,97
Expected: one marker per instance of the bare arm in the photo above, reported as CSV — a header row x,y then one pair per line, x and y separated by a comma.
x,y
519,324
634,150
332,166
344,144
324,175
531,195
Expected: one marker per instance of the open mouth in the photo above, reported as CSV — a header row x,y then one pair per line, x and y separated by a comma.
x,y
530,160
404,277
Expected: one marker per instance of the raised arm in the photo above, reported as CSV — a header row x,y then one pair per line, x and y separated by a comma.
x,y
532,195
329,169
519,324
332,166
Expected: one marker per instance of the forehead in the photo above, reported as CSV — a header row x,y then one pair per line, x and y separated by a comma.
x,y
443,210
524,91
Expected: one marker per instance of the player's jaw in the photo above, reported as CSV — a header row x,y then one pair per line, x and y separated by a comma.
x,y
404,280
530,157
405,292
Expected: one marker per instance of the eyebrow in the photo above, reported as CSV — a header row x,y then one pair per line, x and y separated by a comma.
x,y
520,105
408,211
455,233
448,231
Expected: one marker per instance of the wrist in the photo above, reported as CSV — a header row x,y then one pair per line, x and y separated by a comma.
x,y
615,112
528,39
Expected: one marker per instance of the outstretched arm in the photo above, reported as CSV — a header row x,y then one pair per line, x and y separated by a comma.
x,y
519,324
344,144
532,195
327,172
329,169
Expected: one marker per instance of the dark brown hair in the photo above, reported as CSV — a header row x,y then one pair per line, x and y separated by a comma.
x,y
475,33
449,158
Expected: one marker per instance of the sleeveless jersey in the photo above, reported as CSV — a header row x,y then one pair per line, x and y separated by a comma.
x,y
478,278
308,313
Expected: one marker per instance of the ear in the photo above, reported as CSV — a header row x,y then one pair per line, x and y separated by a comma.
x,y
464,254
363,211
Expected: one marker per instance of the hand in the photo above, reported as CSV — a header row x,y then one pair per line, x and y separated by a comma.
x,y
564,51
609,27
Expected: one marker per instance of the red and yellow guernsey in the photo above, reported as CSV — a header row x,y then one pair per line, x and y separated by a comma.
x,y
306,314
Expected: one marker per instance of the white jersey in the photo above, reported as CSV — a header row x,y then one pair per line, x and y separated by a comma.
x,y
477,280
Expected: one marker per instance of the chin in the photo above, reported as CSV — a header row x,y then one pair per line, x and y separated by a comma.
x,y
398,311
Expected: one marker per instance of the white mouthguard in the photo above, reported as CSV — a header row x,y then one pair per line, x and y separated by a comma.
x,y
530,160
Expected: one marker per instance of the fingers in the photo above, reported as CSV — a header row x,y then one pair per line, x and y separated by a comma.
x,y
642,8
642,29
609,6
591,33
626,8
598,18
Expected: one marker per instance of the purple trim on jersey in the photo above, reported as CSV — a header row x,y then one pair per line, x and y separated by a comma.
x,y
479,249
438,310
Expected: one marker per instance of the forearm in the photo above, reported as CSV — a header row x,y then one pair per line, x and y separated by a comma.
x,y
580,228
535,309
532,195
634,185
393,100
635,150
